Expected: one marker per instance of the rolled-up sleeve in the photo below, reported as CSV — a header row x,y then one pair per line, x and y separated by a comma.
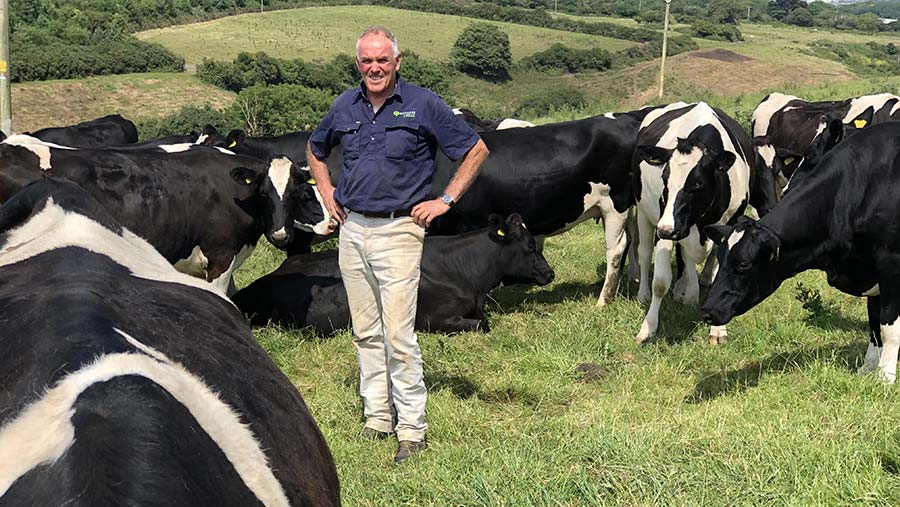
x,y
322,139
453,135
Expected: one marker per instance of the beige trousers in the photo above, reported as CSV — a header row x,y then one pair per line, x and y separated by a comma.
x,y
380,260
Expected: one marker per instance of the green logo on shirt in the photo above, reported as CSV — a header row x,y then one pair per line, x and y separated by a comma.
x,y
405,114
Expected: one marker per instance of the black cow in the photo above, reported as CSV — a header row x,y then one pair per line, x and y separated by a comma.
x,y
457,274
788,125
292,145
202,209
694,166
842,220
112,130
128,383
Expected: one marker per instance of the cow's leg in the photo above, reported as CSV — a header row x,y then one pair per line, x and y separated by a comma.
x,y
662,279
890,336
710,268
692,252
646,230
633,271
459,324
873,352
718,335
682,279
616,242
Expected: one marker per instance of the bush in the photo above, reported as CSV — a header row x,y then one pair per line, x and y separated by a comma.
x,y
542,103
717,31
188,119
482,49
278,109
565,59
426,74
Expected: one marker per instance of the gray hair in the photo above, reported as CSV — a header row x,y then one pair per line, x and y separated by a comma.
x,y
380,30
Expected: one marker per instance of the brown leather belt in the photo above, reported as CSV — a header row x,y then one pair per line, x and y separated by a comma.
x,y
392,214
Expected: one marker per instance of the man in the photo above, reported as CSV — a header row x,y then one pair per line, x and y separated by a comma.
x,y
389,131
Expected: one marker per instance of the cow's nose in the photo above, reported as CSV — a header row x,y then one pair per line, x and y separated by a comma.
x,y
279,235
665,231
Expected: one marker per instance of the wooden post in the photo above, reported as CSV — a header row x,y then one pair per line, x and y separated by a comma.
x,y
662,63
5,96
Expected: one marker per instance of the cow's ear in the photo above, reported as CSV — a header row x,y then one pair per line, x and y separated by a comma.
x,y
653,155
773,243
514,224
497,228
234,138
863,119
718,233
2,136
243,175
724,160
209,130
835,133
762,141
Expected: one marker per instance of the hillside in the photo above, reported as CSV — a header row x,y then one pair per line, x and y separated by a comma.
x,y
322,32
136,96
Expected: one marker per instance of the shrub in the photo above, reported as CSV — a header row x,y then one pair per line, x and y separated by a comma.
x,y
482,49
547,101
560,57
278,109
718,31
427,74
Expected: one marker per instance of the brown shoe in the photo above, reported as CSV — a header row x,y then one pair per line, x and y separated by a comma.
x,y
373,434
407,448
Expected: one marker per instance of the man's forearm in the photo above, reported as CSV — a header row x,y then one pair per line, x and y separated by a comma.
x,y
468,170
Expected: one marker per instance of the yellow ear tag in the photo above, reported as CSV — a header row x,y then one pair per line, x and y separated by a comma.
x,y
500,233
859,123
233,144
248,181
311,181
655,162
788,160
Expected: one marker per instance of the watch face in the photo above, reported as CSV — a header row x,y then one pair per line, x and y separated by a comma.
x,y
447,200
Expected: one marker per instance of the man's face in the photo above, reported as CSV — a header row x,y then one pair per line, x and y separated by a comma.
x,y
376,63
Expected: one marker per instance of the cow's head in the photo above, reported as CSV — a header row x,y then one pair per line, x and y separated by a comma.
x,y
520,262
689,173
234,139
288,198
208,136
749,255
860,121
831,131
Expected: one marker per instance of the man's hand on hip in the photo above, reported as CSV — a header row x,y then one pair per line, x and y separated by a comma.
x,y
426,211
334,209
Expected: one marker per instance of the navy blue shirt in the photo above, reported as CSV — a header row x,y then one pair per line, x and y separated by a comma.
x,y
389,156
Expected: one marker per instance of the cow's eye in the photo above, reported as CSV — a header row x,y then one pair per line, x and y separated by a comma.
x,y
698,185
744,266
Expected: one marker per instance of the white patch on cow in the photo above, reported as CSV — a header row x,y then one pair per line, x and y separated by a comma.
x,y
656,113
43,431
860,104
680,166
195,264
512,123
767,152
222,282
223,150
890,345
202,139
456,111
789,108
609,115
763,113
53,228
176,148
874,291
36,146
734,238
820,129
280,175
280,234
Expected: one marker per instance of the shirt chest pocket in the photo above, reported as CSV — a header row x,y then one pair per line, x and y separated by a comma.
x,y
349,136
402,141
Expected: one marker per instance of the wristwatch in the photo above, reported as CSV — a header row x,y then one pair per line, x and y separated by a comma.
x,y
446,199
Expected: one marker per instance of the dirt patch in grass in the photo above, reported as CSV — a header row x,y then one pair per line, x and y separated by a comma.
x,y
722,55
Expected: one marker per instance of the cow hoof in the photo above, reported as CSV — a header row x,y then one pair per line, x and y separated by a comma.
x,y
717,340
643,334
887,378
602,302
644,298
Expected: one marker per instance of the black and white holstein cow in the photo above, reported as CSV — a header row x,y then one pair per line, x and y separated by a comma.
x,y
480,125
457,272
128,383
204,210
841,219
785,126
694,166
112,130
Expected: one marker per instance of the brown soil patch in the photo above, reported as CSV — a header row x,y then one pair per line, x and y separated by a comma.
x,y
722,55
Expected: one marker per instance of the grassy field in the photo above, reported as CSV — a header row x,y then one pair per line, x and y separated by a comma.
x,y
322,32
558,407
135,96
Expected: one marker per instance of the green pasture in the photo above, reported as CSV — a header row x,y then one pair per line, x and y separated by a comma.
x,y
323,32
557,406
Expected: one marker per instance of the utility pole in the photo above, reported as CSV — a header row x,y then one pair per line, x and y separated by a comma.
x,y
260,5
662,63
5,97
748,14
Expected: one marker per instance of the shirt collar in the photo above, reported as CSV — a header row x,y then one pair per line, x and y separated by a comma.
x,y
398,90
